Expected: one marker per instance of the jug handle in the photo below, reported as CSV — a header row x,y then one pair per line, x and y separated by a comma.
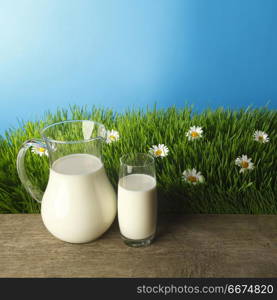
x,y
34,191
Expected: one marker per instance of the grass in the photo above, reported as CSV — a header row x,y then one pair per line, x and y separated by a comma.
x,y
227,135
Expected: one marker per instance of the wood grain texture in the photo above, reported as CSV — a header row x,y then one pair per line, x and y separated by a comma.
x,y
186,246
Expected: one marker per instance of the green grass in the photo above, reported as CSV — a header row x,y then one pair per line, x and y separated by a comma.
x,y
227,135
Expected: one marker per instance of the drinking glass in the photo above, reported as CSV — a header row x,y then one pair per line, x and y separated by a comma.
x,y
137,199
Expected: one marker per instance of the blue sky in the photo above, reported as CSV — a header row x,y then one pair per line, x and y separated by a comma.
x,y
135,53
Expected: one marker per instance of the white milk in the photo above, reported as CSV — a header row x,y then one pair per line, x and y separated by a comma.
x,y
137,206
79,203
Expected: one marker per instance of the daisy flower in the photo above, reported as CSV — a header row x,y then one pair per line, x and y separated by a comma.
x,y
159,151
244,163
43,150
261,136
40,150
194,133
192,176
112,136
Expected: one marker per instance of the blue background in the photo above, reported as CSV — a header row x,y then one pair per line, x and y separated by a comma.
x,y
122,53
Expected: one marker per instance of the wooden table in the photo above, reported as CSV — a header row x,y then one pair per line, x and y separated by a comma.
x,y
186,246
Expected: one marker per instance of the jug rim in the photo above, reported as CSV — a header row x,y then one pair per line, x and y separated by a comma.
x,y
42,132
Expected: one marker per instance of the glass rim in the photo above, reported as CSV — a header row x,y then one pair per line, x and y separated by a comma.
x,y
42,132
150,158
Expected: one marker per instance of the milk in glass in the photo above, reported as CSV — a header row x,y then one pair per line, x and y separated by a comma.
x,y
137,206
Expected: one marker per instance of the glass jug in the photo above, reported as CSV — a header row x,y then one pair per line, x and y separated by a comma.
x,y
79,203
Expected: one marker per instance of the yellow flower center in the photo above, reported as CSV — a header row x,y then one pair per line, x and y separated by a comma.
x,y
158,152
260,138
112,137
41,150
192,178
194,134
245,164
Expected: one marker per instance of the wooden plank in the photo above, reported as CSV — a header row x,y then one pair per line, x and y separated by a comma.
x,y
186,246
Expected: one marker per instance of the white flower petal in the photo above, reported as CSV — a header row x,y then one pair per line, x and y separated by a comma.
x,y
112,136
191,176
159,151
261,136
194,133
244,163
